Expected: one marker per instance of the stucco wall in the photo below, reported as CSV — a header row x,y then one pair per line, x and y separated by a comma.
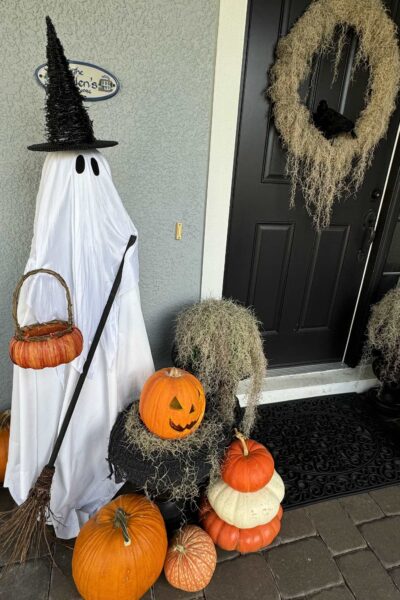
x,y
163,52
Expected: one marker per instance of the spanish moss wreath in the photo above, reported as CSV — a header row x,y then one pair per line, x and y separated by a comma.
x,y
327,170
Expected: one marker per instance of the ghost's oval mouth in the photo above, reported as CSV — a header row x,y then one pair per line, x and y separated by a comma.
x,y
179,428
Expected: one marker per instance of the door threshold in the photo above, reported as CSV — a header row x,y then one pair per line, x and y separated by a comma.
x,y
294,383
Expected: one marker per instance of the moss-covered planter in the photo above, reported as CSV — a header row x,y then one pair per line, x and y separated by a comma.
x,y
388,398
167,469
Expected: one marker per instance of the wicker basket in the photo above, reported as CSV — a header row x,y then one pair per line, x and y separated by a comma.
x,y
47,344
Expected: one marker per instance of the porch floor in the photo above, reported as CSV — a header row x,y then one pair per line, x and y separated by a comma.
x,y
341,549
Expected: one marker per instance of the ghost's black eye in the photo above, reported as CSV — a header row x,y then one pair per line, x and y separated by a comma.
x,y
80,164
95,166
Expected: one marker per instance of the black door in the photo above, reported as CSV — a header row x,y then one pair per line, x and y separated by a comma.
x,y
302,284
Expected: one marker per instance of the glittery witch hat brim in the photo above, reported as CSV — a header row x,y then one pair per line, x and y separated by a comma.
x,y
59,146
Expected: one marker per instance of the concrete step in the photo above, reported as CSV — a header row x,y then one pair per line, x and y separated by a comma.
x,y
310,381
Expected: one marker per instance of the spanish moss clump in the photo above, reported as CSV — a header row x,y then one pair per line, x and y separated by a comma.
x,y
383,336
328,170
173,469
220,342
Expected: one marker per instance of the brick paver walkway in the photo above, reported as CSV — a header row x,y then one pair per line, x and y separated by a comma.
x,y
342,549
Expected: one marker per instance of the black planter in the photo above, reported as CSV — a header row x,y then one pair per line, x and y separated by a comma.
x,y
174,512
387,399
128,464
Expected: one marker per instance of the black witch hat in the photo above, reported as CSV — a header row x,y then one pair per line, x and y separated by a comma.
x,y
67,123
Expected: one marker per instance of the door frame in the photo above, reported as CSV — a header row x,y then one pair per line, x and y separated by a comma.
x,y
229,71
231,43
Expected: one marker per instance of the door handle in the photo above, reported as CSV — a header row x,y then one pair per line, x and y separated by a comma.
x,y
369,235
368,238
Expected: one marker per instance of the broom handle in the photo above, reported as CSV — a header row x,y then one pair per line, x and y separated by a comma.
x,y
88,361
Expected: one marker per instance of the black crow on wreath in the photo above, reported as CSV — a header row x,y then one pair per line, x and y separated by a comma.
x,y
330,122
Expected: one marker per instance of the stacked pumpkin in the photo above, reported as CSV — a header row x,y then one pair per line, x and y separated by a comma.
x,y
242,511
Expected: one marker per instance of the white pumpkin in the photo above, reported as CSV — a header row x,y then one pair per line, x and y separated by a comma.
x,y
247,509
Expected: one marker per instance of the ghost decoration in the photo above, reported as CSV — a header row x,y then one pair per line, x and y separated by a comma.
x,y
81,230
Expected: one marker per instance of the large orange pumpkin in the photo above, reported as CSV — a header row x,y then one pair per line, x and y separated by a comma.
x,y
172,403
4,441
48,344
191,559
229,537
248,465
120,552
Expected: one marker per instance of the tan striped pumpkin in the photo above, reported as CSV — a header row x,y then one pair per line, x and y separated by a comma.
x,y
191,559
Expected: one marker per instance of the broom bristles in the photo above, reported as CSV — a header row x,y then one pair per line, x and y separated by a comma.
x,y
23,530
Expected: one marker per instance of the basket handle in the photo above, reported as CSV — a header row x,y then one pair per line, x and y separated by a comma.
x,y
18,290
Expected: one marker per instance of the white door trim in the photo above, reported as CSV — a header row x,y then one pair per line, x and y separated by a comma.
x,y
227,83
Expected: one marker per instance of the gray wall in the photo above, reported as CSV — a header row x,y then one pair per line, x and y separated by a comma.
x,y
163,52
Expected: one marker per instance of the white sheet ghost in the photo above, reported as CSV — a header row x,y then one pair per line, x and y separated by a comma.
x,y
81,230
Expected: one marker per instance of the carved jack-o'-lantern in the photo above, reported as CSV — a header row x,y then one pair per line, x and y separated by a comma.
x,y
172,403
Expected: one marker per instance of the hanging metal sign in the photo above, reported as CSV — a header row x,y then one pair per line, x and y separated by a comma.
x,y
94,83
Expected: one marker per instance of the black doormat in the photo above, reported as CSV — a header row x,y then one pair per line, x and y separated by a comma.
x,y
328,446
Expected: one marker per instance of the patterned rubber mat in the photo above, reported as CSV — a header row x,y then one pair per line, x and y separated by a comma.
x,y
328,446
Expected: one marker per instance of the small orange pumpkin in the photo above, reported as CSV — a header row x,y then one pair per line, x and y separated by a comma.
x,y
191,559
120,552
172,403
44,344
4,442
230,538
248,465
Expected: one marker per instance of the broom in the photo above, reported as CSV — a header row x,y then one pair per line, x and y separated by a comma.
x,y
25,527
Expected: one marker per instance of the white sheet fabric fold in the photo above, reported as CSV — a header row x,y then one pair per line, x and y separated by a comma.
x,y
81,230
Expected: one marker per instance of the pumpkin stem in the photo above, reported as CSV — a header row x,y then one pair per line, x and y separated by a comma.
x,y
5,418
180,548
174,372
242,439
120,520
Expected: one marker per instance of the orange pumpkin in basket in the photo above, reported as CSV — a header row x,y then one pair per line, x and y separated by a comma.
x,y
4,441
44,344
229,537
248,466
191,559
120,552
172,403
